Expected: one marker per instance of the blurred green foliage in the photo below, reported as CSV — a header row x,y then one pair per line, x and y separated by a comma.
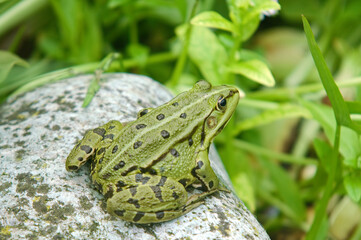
x,y
294,143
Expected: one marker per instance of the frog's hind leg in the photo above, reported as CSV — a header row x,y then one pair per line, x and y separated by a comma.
x,y
85,149
145,198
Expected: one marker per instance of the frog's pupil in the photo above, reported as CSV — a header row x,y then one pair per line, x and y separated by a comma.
x,y
223,102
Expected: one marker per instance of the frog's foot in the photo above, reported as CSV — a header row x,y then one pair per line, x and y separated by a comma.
x,y
85,149
145,198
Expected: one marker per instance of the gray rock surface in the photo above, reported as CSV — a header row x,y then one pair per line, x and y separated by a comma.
x,y
39,199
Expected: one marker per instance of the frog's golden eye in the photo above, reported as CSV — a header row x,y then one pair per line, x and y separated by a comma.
x,y
221,103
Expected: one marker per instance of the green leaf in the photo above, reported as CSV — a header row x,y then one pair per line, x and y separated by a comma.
x,y
207,53
94,86
354,107
255,70
338,104
287,189
259,8
352,185
7,62
324,152
349,142
92,89
244,189
246,15
213,20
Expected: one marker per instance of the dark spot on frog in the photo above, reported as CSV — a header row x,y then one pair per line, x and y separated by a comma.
x,y
106,176
100,160
120,213
80,159
199,164
183,115
211,184
141,125
134,202
133,191
138,216
115,149
175,195
159,215
110,192
98,185
93,164
175,104
132,168
174,152
160,116
73,168
110,136
157,192
140,178
164,134
86,149
190,142
183,181
119,165
151,171
120,185
99,131
143,112
162,181
102,150
137,144
111,127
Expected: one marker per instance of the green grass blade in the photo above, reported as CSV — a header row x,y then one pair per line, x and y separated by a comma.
x,y
340,108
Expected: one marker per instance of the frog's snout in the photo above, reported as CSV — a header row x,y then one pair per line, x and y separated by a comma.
x,y
234,91
240,93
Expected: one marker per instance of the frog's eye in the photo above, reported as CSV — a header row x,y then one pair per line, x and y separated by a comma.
x,y
221,103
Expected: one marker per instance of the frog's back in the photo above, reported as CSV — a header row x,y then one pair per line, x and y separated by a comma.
x,y
160,142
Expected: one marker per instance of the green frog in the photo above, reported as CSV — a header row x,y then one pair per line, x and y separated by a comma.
x,y
143,168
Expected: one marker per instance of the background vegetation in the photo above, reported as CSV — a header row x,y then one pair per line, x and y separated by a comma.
x,y
293,148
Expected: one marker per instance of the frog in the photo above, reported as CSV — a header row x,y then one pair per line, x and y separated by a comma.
x,y
146,167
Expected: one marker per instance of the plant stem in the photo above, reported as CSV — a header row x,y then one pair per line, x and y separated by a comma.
x,y
260,151
183,56
28,84
284,94
322,204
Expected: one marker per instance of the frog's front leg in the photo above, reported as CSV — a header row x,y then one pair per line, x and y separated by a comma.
x,y
86,148
145,198
204,172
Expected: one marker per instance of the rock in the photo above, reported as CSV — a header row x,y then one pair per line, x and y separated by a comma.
x,y
39,199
